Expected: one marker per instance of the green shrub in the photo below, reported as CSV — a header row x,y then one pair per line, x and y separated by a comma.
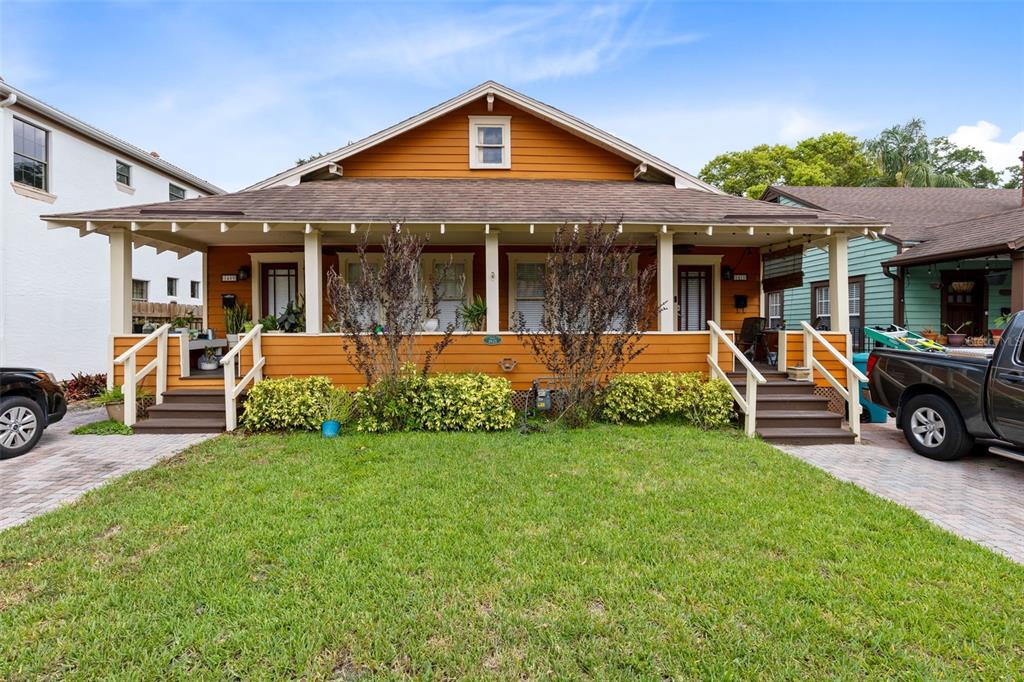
x,y
106,427
287,404
465,402
642,398
445,402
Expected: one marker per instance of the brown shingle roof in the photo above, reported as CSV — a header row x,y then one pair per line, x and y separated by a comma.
x,y
911,211
474,201
985,235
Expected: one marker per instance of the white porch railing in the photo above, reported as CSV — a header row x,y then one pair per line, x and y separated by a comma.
x,y
850,392
748,402
231,389
133,377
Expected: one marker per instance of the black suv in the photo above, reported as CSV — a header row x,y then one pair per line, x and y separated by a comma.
x,y
30,400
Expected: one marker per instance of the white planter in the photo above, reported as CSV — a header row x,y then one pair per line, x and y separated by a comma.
x,y
207,366
430,324
232,339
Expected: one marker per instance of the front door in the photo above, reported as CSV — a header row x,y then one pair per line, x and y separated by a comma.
x,y
963,302
280,286
694,299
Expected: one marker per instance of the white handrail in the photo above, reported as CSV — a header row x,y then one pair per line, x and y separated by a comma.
x,y
133,377
851,392
233,390
747,403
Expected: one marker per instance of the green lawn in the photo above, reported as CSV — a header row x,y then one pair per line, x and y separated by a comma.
x,y
622,553
106,427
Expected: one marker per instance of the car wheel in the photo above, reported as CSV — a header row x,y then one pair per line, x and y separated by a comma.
x,y
934,428
21,426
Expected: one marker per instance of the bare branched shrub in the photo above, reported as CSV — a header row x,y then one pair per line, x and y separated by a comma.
x,y
382,308
594,312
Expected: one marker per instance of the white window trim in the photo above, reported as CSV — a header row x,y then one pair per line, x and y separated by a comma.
x,y
256,274
715,261
35,192
540,257
346,259
505,122
117,162
429,260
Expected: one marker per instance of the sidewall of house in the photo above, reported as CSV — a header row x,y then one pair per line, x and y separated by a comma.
x,y
865,258
923,302
54,285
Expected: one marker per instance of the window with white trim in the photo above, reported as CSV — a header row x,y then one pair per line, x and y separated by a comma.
x,y
123,173
776,306
140,290
456,285
490,144
528,292
351,268
31,155
175,193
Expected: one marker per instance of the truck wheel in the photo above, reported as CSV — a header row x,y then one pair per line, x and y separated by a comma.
x,y
934,428
21,426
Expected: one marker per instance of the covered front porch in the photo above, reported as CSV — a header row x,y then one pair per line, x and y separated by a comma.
x,y
708,281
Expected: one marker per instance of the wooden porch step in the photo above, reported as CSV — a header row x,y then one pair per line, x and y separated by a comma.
x,y
783,419
181,425
766,373
210,396
778,387
807,435
172,410
810,401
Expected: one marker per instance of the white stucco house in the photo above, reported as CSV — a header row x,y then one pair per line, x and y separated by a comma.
x,y
55,287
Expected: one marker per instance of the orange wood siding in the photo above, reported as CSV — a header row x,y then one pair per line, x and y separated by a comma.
x,y
795,355
302,355
440,148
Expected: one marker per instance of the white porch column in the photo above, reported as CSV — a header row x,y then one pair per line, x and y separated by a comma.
x,y
839,282
492,270
120,281
667,316
313,269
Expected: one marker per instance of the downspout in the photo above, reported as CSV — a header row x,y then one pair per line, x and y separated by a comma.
x,y
9,100
897,295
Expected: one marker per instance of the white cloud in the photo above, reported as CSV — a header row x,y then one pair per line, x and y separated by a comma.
x,y
985,136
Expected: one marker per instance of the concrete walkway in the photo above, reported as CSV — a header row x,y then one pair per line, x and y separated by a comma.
x,y
62,467
980,497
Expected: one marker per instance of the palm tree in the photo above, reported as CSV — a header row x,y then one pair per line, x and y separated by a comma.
x,y
903,159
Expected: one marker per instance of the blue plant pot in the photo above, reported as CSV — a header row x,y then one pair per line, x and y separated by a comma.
x,y
330,428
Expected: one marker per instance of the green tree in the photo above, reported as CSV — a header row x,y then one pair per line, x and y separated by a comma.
x,y
748,172
903,158
966,163
1011,177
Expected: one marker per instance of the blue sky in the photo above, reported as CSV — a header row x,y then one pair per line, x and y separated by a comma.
x,y
234,92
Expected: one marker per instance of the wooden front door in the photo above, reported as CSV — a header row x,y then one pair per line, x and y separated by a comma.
x,y
964,300
279,287
695,306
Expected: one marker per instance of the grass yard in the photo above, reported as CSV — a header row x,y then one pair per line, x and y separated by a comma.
x,y
106,427
613,553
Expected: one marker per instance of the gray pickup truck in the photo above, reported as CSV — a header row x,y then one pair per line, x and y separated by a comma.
x,y
945,403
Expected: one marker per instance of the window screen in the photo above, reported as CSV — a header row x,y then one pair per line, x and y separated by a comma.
x,y
529,293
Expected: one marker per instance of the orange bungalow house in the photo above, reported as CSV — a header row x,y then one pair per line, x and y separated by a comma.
x,y
488,175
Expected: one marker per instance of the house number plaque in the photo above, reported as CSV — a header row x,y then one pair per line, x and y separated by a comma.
x,y
492,340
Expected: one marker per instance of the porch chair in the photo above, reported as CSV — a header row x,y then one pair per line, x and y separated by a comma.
x,y
751,337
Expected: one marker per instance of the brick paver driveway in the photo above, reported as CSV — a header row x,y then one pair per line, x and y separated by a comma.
x,y
62,467
978,497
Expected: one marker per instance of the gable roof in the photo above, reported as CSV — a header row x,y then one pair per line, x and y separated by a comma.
x,y
543,111
911,211
117,144
982,236
474,201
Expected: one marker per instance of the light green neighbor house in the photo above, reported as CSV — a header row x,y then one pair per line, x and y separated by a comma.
x,y
927,290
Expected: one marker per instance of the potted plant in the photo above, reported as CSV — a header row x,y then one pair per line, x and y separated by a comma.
x,y
113,400
929,333
474,314
269,323
293,319
208,360
235,318
997,326
955,338
337,409
182,324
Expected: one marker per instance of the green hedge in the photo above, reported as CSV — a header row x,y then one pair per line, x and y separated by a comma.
x,y
444,402
292,404
642,398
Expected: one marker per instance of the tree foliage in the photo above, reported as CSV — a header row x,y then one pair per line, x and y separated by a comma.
x,y
381,309
900,156
594,312
829,159
1011,177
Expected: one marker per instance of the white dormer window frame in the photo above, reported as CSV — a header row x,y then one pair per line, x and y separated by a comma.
x,y
480,141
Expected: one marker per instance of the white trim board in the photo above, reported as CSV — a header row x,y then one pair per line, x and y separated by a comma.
x,y
715,261
256,276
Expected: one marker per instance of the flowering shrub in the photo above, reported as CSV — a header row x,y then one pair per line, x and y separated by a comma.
x,y
444,402
287,404
641,398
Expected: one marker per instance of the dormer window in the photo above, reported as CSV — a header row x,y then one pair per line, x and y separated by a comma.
x,y
489,142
